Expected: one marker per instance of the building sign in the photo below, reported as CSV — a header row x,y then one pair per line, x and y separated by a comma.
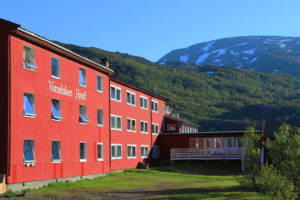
x,y
63,90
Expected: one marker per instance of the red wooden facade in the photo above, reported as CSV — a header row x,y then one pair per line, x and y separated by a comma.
x,y
42,129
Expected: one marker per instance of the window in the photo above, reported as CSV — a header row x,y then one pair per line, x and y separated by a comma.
x,y
144,151
82,77
82,151
56,114
144,102
100,151
29,104
29,151
56,151
82,114
99,83
28,56
154,129
100,117
115,93
131,151
154,106
115,122
155,151
131,125
116,151
55,67
144,127
130,98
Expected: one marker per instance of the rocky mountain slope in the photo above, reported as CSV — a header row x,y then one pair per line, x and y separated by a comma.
x,y
260,53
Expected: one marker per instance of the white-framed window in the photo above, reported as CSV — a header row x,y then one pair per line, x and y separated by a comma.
x,y
115,122
29,156
28,105
82,148
116,151
99,83
82,114
28,58
100,117
155,151
55,67
100,151
56,153
131,125
82,77
144,151
55,110
131,151
154,106
154,128
130,98
144,102
144,126
115,93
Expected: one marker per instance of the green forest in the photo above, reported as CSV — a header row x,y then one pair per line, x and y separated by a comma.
x,y
217,98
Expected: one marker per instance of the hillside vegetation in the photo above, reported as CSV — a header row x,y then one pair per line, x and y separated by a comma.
x,y
217,98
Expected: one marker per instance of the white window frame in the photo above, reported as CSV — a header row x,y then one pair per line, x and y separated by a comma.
x,y
32,67
53,76
128,128
155,102
33,152
101,125
142,131
85,152
59,150
144,98
131,146
115,98
84,76
152,130
31,99
102,155
101,91
116,151
144,146
59,110
131,94
155,153
116,116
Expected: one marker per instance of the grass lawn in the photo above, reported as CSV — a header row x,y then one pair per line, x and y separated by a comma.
x,y
183,181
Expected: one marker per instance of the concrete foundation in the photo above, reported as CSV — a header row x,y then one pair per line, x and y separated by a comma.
x,y
36,184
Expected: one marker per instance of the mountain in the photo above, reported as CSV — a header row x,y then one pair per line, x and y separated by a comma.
x,y
217,98
260,53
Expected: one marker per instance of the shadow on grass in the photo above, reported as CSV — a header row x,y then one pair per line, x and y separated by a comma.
x,y
232,193
218,168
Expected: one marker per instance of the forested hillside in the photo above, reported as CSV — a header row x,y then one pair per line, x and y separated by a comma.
x,y
217,98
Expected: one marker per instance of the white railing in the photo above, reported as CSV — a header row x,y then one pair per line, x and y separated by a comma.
x,y
207,154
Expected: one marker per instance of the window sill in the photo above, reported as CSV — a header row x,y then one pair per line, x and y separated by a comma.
x,y
83,86
82,160
154,111
114,129
144,108
144,156
32,69
100,125
100,159
82,123
29,163
29,116
55,77
133,105
154,133
56,120
131,157
99,91
56,161
144,132
115,100
131,131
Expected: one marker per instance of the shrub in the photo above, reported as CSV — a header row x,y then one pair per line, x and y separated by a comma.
x,y
272,183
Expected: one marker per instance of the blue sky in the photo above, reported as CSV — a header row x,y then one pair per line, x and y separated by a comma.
x,y
152,28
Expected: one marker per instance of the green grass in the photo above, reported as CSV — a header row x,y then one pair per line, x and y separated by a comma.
x,y
180,182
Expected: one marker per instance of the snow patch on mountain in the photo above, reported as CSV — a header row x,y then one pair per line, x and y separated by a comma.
x,y
202,58
275,70
250,51
241,44
210,72
208,46
217,60
253,60
220,52
184,58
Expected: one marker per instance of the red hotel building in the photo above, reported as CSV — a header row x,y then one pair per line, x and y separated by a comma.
x,y
64,116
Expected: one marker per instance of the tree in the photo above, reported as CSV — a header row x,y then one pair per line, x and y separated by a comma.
x,y
252,144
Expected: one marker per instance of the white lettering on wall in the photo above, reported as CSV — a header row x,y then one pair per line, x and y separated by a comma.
x,y
65,91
